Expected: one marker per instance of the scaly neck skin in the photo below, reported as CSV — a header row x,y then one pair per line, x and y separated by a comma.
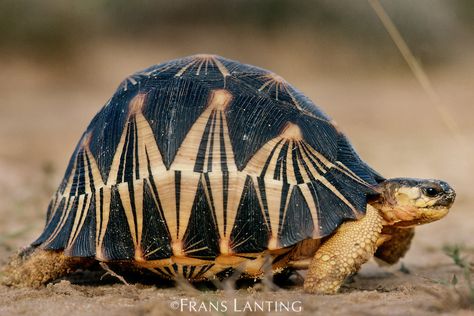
x,y
389,209
402,216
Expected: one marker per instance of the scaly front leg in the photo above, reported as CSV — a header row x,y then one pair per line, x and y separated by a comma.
x,y
343,253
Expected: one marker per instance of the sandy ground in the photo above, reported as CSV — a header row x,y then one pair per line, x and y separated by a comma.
x,y
388,117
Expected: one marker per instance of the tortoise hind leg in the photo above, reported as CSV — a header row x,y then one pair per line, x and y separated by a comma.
x,y
35,267
398,243
343,253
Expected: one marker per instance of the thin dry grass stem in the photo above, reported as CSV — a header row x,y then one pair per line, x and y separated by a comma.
x,y
418,72
109,271
186,286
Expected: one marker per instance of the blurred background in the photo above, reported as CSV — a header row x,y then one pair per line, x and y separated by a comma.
x,y
61,60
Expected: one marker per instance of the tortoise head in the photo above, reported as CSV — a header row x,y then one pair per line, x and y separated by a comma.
x,y
405,202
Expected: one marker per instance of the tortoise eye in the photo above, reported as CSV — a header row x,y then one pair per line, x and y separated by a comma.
x,y
431,192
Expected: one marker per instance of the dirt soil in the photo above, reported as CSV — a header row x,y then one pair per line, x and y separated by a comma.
x,y
389,118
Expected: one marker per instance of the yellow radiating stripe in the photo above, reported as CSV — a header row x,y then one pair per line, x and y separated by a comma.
x,y
290,170
159,70
217,155
277,88
330,165
313,209
293,98
79,219
306,150
257,162
236,190
273,190
274,194
260,200
146,252
189,185
186,156
76,224
113,173
62,220
229,152
147,144
138,189
198,71
166,189
105,214
309,164
336,192
328,184
183,69
208,144
299,161
221,67
208,185
55,202
165,185
96,175
283,216
265,84
125,198
348,172
67,189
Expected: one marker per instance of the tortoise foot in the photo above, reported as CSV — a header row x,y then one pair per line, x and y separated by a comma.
x,y
343,253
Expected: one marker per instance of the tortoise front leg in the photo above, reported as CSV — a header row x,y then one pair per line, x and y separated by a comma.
x,y
397,244
343,253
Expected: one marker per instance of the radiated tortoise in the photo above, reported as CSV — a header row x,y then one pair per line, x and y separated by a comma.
x,y
203,165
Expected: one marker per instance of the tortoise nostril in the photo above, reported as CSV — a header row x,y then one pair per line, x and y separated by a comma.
x,y
446,188
448,198
451,196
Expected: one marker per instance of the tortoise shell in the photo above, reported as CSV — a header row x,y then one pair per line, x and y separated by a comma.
x,y
200,159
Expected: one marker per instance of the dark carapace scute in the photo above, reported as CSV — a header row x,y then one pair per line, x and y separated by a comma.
x,y
204,156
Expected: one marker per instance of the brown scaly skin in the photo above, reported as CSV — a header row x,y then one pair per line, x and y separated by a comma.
x,y
341,255
396,245
402,204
